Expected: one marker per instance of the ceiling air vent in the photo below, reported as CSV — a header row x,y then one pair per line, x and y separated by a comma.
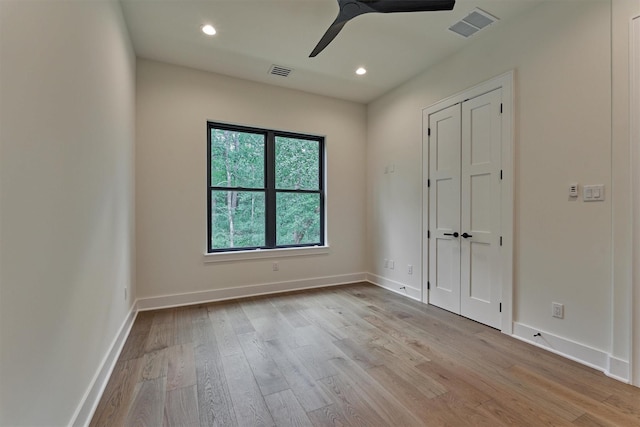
x,y
278,70
473,22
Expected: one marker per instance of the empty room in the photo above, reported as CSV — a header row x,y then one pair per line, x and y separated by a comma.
x,y
319,212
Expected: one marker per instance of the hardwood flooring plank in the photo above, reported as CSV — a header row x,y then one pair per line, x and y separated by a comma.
x,y
255,307
275,327
316,360
286,410
591,406
316,317
329,416
142,323
454,381
302,384
447,410
164,316
290,310
358,353
223,331
411,397
184,326
154,365
215,406
239,320
161,335
351,402
588,420
248,403
181,367
134,346
147,409
266,372
181,408
118,394
382,401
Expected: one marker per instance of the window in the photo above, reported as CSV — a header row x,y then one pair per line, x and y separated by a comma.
x,y
266,189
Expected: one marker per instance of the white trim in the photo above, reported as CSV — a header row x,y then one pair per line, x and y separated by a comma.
x,y
393,286
634,120
507,210
618,369
87,407
581,353
264,253
177,300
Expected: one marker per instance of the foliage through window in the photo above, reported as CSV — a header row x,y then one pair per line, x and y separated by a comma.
x,y
265,189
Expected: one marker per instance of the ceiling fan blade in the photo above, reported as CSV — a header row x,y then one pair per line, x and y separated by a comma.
x,y
349,9
391,6
329,35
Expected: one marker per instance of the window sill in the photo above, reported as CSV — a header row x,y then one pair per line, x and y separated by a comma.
x,y
264,254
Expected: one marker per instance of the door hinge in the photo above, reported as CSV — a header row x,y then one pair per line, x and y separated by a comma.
x,y
429,183
500,307
500,108
500,174
428,131
428,234
428,286
500,240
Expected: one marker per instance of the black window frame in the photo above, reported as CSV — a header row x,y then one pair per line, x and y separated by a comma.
x,y
269,188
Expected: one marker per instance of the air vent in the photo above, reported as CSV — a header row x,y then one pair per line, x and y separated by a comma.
x,y
475,21
278,70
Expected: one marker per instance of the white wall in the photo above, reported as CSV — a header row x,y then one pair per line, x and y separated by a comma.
x,y
561,52
67,75
173,106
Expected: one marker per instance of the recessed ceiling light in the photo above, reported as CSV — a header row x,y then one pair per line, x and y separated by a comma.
x,y
208,30
360,71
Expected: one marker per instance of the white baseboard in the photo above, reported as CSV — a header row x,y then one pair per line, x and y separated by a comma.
x,y
91,398
393,286
581,353
177,300
619,369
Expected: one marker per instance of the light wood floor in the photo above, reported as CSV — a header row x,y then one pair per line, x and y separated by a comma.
x,y
347,356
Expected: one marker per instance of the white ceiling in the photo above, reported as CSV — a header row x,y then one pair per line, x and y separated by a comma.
x,y
254,34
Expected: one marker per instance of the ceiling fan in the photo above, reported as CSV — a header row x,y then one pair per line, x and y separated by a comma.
x,y
349,9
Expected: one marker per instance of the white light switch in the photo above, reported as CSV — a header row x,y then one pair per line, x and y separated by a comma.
x,y
593,193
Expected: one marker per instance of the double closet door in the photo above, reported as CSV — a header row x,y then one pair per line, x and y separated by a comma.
x,y
464,208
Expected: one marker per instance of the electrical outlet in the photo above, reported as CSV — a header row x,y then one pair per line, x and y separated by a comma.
x,y
392,264
410,269
275,266
557,310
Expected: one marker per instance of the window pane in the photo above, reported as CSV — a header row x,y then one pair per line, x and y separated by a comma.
x,y
238,219
237,159
297,164
298,219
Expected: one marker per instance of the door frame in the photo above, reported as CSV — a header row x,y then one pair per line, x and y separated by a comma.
x,y
634,121
504,82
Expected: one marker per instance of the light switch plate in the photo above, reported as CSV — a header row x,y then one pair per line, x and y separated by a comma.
x,y
593,193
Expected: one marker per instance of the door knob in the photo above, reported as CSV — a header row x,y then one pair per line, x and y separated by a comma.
x,y
454,234
465,235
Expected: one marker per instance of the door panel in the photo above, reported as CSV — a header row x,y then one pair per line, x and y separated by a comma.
x,y
480,209
444,199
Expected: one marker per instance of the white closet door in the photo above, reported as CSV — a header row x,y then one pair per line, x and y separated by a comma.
x,y
480,214
444,200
